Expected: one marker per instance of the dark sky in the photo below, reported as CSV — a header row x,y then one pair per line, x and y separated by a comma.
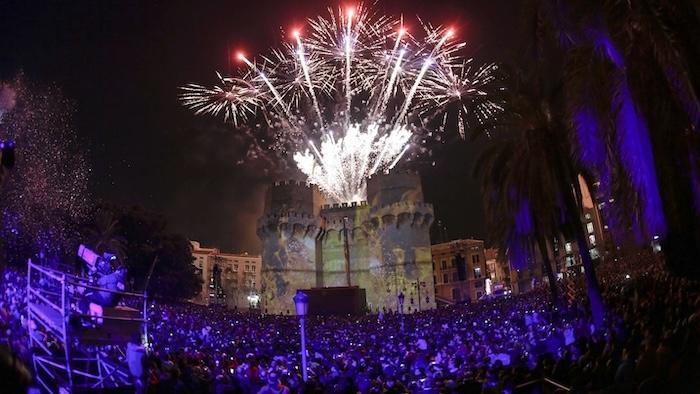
x,y
122,61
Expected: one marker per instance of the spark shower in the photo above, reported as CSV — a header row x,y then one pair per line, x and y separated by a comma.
x,y
351,94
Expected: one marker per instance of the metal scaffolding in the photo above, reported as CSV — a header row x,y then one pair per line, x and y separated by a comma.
x,y
66,357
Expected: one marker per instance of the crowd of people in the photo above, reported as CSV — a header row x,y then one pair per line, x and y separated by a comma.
x,y
650,343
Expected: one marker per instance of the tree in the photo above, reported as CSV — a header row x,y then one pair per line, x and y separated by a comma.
x,y
634,110
103,236
146,238
45,199
530,184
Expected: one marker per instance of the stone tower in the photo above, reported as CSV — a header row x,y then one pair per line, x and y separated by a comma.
x,y
388,243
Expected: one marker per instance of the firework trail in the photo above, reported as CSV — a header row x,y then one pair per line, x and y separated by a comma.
x,y
350,96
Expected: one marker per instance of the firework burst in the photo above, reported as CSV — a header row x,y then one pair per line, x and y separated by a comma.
x,y
350,96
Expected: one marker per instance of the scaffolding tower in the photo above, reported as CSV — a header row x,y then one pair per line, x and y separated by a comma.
x,y
70,357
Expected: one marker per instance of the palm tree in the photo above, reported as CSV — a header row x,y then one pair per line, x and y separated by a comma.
x,y
103,236
634,110
530,184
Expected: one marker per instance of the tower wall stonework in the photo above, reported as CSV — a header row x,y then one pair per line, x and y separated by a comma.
x,y
388,242
288,230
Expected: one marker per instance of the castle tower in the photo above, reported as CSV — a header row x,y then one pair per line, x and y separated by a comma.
x,y
400,222
386,240
288,230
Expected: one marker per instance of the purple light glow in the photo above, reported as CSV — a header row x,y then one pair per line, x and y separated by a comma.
x,y
633,142
638,159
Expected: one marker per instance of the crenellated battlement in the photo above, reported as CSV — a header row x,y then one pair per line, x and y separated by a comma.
x,y
292,182
404,205
343,206
286,214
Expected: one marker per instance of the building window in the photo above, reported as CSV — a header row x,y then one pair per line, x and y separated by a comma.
x,y
567,247
589,227
570,261
475,259
455,277
235,268
434,279
445,278
433,265
443,264
591,239
477,272
478,284
455,294
252,268
452,262
587,216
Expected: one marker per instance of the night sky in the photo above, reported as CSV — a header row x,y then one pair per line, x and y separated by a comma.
x,y
122,61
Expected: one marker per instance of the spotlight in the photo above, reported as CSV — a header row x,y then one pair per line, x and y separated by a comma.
x,y
7,154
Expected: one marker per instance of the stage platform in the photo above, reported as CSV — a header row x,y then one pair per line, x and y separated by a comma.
x,y
337,301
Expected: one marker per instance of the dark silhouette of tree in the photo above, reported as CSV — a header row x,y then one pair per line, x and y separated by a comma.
x,y
102,234
146,237
530,184
633,107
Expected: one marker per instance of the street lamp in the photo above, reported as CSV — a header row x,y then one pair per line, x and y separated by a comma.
x,y
301,302
253,300
401,297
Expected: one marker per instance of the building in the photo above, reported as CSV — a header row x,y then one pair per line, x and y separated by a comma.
x,y
381,245
459,270
498,272
227,278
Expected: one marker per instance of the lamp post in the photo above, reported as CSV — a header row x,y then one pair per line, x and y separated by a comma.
x,y
401,298
301,302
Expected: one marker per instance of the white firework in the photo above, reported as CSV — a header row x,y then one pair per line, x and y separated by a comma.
x,y
349,98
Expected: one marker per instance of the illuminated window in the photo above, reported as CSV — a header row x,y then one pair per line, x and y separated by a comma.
x,y
588,216
570,261
567,247
477,272
589,227
591,239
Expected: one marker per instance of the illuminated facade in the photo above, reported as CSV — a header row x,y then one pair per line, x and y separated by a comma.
x,y
386,239
227,278
497,271
459,270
